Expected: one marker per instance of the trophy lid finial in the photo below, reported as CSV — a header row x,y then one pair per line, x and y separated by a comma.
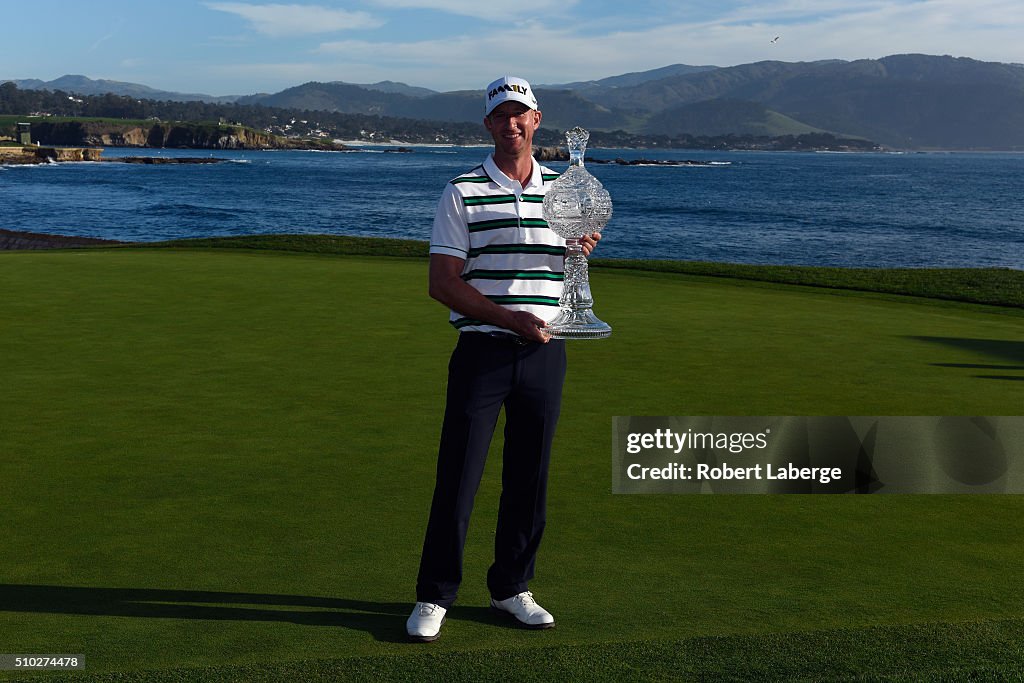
x,y
577,138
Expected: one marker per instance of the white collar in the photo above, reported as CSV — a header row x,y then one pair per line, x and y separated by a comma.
x,y
498,176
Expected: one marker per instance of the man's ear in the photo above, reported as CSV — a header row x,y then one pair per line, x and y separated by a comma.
x,y
487,123
537,118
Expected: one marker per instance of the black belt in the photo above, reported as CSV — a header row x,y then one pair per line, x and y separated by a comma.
x,y
503,336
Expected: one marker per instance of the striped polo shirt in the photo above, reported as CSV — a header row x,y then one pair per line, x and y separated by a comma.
x,y
497,225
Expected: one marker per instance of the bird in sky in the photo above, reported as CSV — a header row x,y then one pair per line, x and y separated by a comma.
x,y
774,40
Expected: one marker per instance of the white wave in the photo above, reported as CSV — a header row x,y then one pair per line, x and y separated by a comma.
x,y
29,165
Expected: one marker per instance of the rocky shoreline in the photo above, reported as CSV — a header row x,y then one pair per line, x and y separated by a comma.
x,y
561,154
49,155
11,240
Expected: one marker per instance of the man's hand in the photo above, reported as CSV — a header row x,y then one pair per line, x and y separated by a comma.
x,y
448,287
589,242
528,326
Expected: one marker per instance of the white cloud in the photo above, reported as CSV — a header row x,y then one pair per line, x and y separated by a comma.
x,y
548,49
293,20
483,10
553,52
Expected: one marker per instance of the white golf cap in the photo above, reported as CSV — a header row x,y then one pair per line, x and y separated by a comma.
x,y
508,88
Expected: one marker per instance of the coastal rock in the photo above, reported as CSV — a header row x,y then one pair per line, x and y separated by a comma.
x,y
550,154
161,134
17,155
69,153
12,239
133,137
45,155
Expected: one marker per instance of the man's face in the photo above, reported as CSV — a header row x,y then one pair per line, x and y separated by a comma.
x,y
512,125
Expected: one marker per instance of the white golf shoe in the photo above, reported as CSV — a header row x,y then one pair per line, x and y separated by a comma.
x,y
424,624
526,611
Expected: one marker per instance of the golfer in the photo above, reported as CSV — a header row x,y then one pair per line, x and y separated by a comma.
x,y
498,266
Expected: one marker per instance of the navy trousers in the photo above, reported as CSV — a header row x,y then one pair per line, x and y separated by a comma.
x,y
486,373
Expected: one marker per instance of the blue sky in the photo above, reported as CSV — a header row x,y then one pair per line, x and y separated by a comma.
x,y
236,48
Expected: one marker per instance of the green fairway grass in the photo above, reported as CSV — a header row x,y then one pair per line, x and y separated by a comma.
x,y
217,464
996,286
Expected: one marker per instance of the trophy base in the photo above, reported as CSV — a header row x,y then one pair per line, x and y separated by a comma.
x,y
582,324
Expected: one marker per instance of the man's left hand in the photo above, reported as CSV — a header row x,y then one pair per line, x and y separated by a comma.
x,y
589,242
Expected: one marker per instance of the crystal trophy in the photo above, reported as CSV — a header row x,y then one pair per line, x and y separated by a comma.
x,y
577,205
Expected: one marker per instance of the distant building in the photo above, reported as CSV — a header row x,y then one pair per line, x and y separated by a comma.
x,y
24,133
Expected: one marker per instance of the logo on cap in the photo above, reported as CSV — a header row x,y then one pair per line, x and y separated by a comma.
x,y
508,87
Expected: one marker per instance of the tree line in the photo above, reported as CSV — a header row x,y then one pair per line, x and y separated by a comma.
x,y
306,123
17,101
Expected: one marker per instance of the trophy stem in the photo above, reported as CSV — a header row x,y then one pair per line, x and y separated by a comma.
x,y
577,205
576,289
576,320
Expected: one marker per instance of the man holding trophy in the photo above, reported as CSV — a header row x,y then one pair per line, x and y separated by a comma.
x,y
499,268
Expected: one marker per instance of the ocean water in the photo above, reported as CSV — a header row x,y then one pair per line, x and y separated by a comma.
x,y
878,210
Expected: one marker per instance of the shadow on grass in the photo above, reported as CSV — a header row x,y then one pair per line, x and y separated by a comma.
x,y
385,621
485,615
1003,350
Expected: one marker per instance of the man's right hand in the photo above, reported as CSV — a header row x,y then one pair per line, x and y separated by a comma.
x,y
448,287
528,326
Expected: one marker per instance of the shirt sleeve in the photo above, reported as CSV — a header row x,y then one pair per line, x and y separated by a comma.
x,y
451,231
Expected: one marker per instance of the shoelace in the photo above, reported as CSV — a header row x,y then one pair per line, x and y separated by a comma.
x,y
526,599
427,609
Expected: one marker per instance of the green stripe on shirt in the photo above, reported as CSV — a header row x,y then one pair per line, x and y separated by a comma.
x,y
490,199
524,299
517,249
513,275
478,226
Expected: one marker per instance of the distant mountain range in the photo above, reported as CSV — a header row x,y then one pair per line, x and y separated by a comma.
x,y
633,78
903,101
81,85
